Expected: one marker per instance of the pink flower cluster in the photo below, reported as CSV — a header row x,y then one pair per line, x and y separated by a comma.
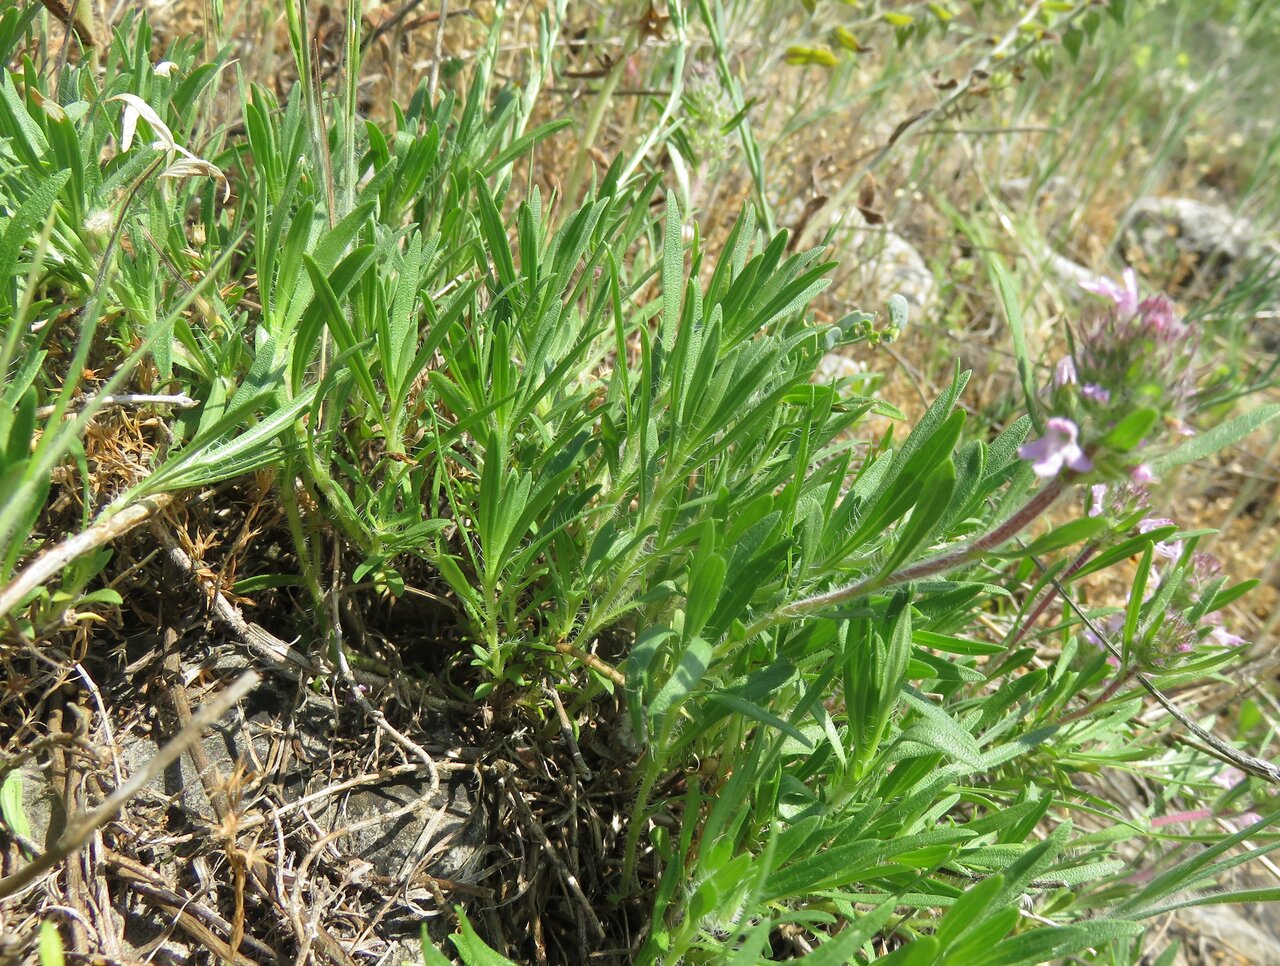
x,y
1137,356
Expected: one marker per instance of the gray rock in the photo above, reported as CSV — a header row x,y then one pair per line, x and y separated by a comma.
x,y
1161,227
884,263
835,365
445,832
1067,272
453,850
245,736
1225,928
887,264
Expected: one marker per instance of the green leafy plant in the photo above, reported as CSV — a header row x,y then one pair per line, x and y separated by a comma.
x,y
857,667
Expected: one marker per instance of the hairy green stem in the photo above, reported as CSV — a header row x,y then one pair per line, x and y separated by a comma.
x,y
729,84
351,89
1110,692
636,822
308,557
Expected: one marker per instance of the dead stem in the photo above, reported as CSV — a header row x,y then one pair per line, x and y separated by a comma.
x,y
80,828
53,561
593,662
506,775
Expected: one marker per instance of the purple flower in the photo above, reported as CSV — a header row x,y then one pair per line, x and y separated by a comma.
x,y
1064,374
1205,567
1220,635
1097,493
1111,627
1125,297
1170,550
1058,447
1095,393
1142,475
1229,777
1157,313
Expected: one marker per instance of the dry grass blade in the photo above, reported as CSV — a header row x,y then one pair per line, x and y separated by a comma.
x,y
284,659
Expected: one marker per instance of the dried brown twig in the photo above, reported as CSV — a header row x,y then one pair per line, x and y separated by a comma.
x,y
506,773
593,662
58,557
122,400
80,828
196,918
295,905
566,730
282,657
1212,744
340,658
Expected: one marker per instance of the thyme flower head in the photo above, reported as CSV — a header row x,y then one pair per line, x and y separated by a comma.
x,y
1126,388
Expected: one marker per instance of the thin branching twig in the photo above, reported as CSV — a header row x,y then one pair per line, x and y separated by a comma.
x,y
80,828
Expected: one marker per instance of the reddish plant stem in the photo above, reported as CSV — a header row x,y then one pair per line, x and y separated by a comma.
x,y
1047,597
1100,700
929,567
932,566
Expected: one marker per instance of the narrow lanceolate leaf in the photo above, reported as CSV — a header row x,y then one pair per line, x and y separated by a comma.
x,y
925,951
968,909
1131,429
984,933
749,709
842,948
203,462
474,950
11,809
935,497
906,487
1055,943
1013,312
1134,609
689,672
704,592
24,136
22,226
672,274
431,955
1221,436
1198,867
1067,535
937,730
846,862
50,945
